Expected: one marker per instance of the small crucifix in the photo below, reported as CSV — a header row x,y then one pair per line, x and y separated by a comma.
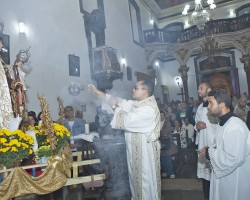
x,y
182,92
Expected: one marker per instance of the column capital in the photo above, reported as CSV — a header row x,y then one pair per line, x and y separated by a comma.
x,y
183,70
246,61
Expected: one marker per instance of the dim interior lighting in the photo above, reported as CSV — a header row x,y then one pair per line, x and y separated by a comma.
x,y
123,61
200,15
151,21
21,27
157,64
178,81
231,13
185,10
186,24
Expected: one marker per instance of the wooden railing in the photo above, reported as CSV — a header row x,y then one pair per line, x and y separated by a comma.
x,y
212,27
76,167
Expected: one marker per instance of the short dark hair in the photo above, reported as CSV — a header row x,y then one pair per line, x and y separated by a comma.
x,y
149,86
32,113
70,107
162,111
206,82
220,96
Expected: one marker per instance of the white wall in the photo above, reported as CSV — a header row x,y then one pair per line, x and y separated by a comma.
x,y
55,29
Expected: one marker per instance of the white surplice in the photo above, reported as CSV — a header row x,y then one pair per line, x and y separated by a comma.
x,y
204,137
230,179
141,122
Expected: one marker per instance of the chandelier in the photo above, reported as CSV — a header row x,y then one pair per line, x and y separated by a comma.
x,y
200,15
209,47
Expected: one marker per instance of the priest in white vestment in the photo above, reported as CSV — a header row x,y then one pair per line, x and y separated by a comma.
x,y
141,121
205,127
229,155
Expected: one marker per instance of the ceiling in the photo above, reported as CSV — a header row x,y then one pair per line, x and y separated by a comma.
x,y
164,4
164,10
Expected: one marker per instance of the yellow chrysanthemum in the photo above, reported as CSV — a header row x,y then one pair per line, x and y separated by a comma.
x,y
30,151
14,149
3,140
14,146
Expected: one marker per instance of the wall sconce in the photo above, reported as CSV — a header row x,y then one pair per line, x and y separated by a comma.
x,y
123,61
157,64
232,14
151,21
21,27
178,81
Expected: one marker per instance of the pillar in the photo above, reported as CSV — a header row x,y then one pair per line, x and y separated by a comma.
x,y
183,71
246,61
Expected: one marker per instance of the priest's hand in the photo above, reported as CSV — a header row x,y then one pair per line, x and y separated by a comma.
x,y
98,93
202,152
201,125
92,88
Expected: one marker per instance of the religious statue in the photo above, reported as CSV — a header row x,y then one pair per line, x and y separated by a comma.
x,y
12,88
15,77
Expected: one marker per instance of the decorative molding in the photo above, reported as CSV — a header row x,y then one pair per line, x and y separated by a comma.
x,y
182,54
182,51
243,43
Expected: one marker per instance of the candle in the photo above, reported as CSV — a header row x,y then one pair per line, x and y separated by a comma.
x,y
87,128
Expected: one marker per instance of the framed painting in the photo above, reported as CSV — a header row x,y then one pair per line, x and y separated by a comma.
x,y
135,19
74,65
5,53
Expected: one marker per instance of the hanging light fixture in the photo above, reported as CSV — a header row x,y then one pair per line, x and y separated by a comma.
x,y
200,15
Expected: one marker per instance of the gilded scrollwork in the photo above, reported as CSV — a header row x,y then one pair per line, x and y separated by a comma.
x,y
150,54
61,111
246,61
243,42
182,54
47,123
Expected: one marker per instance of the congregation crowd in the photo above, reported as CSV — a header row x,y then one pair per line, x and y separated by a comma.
x,y
187,127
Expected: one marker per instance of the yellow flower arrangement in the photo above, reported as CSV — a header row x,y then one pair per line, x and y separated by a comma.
x,y
61,132
14,146
44,151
